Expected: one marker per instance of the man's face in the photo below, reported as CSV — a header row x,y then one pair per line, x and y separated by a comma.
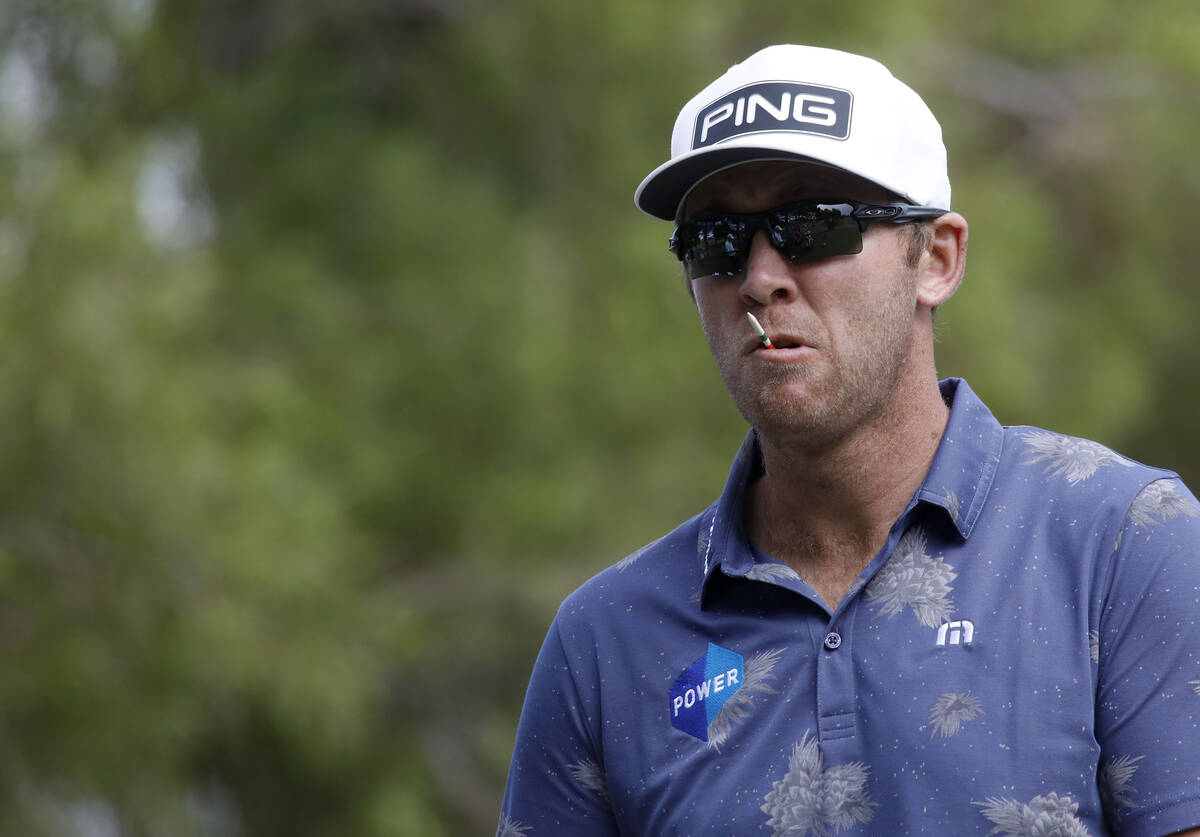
x,y
843,327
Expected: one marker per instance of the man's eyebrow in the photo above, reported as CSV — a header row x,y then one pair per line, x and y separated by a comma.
x,y
705,206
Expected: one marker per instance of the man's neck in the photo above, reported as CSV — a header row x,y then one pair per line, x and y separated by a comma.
x,y
827,512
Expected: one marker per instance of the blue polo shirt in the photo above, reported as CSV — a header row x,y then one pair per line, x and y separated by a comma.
x,y
1021,658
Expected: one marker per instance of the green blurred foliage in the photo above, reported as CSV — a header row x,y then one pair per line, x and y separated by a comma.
x,y
333,353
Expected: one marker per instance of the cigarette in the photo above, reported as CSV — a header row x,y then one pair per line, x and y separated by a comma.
x,y
762,334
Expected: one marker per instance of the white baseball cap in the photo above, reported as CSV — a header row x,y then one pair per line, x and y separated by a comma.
x,y
808,104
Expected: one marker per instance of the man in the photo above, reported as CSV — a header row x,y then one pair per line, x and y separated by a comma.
x,y
899,617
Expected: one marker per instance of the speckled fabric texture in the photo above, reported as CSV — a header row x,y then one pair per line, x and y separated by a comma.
x,y
1021,658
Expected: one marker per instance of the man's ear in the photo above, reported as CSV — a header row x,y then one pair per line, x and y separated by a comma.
x,y
944,260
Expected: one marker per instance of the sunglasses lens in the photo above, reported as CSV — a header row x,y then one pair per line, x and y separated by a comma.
x,y
811,235
711,248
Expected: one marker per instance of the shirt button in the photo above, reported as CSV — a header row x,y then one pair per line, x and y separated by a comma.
x,y
833,640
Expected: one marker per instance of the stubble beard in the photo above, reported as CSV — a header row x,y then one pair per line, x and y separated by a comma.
x,y
819,404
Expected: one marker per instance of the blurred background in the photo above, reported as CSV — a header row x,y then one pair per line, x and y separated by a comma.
x,y
333,354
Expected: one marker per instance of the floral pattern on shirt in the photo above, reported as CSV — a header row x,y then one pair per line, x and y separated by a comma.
x,y
912,578
951,710
591,777
1043,816
511,828
1155,504
631,559
1116,783
1159,502
1069,457
772,573
812,797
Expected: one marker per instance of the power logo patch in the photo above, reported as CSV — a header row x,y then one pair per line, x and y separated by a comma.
x,y
703,688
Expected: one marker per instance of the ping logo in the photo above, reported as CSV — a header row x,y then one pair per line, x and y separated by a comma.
x,y
774,106
956,633
703,689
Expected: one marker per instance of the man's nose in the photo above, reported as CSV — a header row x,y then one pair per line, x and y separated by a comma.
x,y
767,276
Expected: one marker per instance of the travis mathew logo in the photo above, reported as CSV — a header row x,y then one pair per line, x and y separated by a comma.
x,y
703,688
774,106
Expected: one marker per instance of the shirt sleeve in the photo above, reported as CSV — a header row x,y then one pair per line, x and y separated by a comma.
x,y
556,782
1147,649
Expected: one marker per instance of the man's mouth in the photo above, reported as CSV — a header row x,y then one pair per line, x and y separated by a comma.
x,y
767,343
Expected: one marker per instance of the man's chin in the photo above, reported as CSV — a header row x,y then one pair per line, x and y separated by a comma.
x,y
794,416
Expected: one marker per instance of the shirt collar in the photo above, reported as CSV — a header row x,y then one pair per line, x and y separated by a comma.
x,y
958,481
967,457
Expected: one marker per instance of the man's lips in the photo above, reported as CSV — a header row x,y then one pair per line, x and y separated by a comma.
x,y
779,341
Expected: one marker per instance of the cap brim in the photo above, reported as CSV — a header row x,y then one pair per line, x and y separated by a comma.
x,y
661,192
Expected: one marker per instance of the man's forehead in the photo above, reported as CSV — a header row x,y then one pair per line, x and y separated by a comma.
x,y
761,184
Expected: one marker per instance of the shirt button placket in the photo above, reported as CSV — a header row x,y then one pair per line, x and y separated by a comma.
x,y
837,721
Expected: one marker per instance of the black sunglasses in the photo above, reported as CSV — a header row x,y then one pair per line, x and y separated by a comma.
x,y
803,232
